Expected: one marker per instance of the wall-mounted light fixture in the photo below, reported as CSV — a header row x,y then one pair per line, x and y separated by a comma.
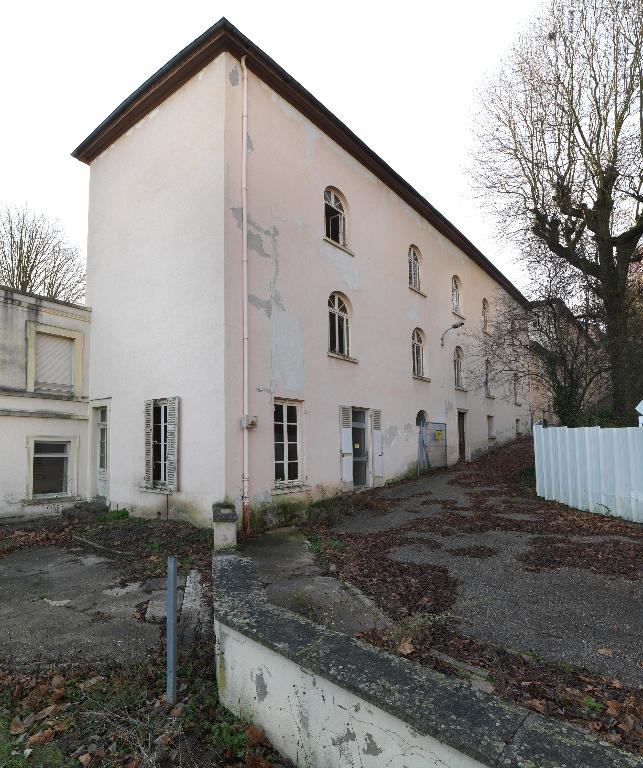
x,y
451,327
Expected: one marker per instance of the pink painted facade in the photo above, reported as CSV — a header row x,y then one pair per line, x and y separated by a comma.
x,y
175,177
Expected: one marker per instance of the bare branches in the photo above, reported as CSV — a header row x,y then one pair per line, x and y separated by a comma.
x,y
36,258
547,349
560,159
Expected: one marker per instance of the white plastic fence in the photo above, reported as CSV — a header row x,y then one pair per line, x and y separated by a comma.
x,y
600,470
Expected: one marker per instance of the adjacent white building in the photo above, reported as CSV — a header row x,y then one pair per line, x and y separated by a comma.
x,y
44,445
272,305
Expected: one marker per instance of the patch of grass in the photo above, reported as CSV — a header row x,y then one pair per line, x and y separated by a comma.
x,y
113,516
47,756
315,543
337,545
589,703
418,629
229,736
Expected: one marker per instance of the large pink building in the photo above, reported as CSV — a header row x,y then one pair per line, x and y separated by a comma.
x,y
270,299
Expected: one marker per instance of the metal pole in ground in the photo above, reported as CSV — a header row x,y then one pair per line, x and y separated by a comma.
x,y
171,630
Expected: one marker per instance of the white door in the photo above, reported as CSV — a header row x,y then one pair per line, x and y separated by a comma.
x,y
101,453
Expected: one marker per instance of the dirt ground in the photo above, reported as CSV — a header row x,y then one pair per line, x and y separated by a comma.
x,y
82,650
543,600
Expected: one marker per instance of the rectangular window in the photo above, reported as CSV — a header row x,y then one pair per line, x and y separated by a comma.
x,y
102,438
518,430
50,471
491,430
54,363
161,441
286,441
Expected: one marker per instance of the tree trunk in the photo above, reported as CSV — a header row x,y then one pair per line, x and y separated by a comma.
x,y
617,350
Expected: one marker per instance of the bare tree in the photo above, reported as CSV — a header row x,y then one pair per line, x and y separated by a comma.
x,y
35,257
546,348
560,157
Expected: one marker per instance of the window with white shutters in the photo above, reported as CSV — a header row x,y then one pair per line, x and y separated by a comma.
x,y
54,363
346,445
161,443
378,448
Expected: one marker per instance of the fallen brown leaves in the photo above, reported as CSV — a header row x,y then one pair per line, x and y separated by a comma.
x,y
609,557
115,715
408,590
604,705
44,535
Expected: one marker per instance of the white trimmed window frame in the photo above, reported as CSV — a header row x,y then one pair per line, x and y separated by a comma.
x,y
458,373
335,200
77,337
456,296
301,474
417,353
339,316
72,467
168,482
414,268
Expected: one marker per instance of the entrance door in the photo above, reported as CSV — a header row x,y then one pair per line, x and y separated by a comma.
x,y
360,452
462,447
101,452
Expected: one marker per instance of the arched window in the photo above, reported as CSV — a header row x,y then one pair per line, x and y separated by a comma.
x,y
455,294
485,315
487,378
417,352
338,333
334,217
414,267
457,367
421,419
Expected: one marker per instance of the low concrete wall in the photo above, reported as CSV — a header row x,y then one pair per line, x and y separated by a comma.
x,y
326,699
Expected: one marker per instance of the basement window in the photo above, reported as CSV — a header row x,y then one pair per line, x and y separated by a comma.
x,y
286,443
50,470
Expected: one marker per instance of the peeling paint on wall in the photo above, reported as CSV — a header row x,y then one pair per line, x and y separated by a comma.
x,y
287,352
345,738
371,747
260,686
234,75
344,264
265,305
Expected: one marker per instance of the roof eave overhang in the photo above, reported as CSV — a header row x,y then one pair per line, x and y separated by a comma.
x,y
224,37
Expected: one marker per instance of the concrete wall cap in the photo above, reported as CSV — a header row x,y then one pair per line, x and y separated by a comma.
x,y
221,514
479,724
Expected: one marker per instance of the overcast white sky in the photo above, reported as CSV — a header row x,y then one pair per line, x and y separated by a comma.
x,y
403,76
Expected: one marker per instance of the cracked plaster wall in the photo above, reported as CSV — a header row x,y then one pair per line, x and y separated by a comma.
x,y
314,722
292,271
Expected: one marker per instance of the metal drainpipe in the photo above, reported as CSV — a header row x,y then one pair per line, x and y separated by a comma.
x,y
245,499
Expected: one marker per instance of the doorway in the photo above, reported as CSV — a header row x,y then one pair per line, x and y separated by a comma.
x,y
462,445
360,450
101,452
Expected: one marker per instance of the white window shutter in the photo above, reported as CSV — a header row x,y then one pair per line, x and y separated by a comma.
x,y
54,362
149,410
346,451
172,442
378,448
